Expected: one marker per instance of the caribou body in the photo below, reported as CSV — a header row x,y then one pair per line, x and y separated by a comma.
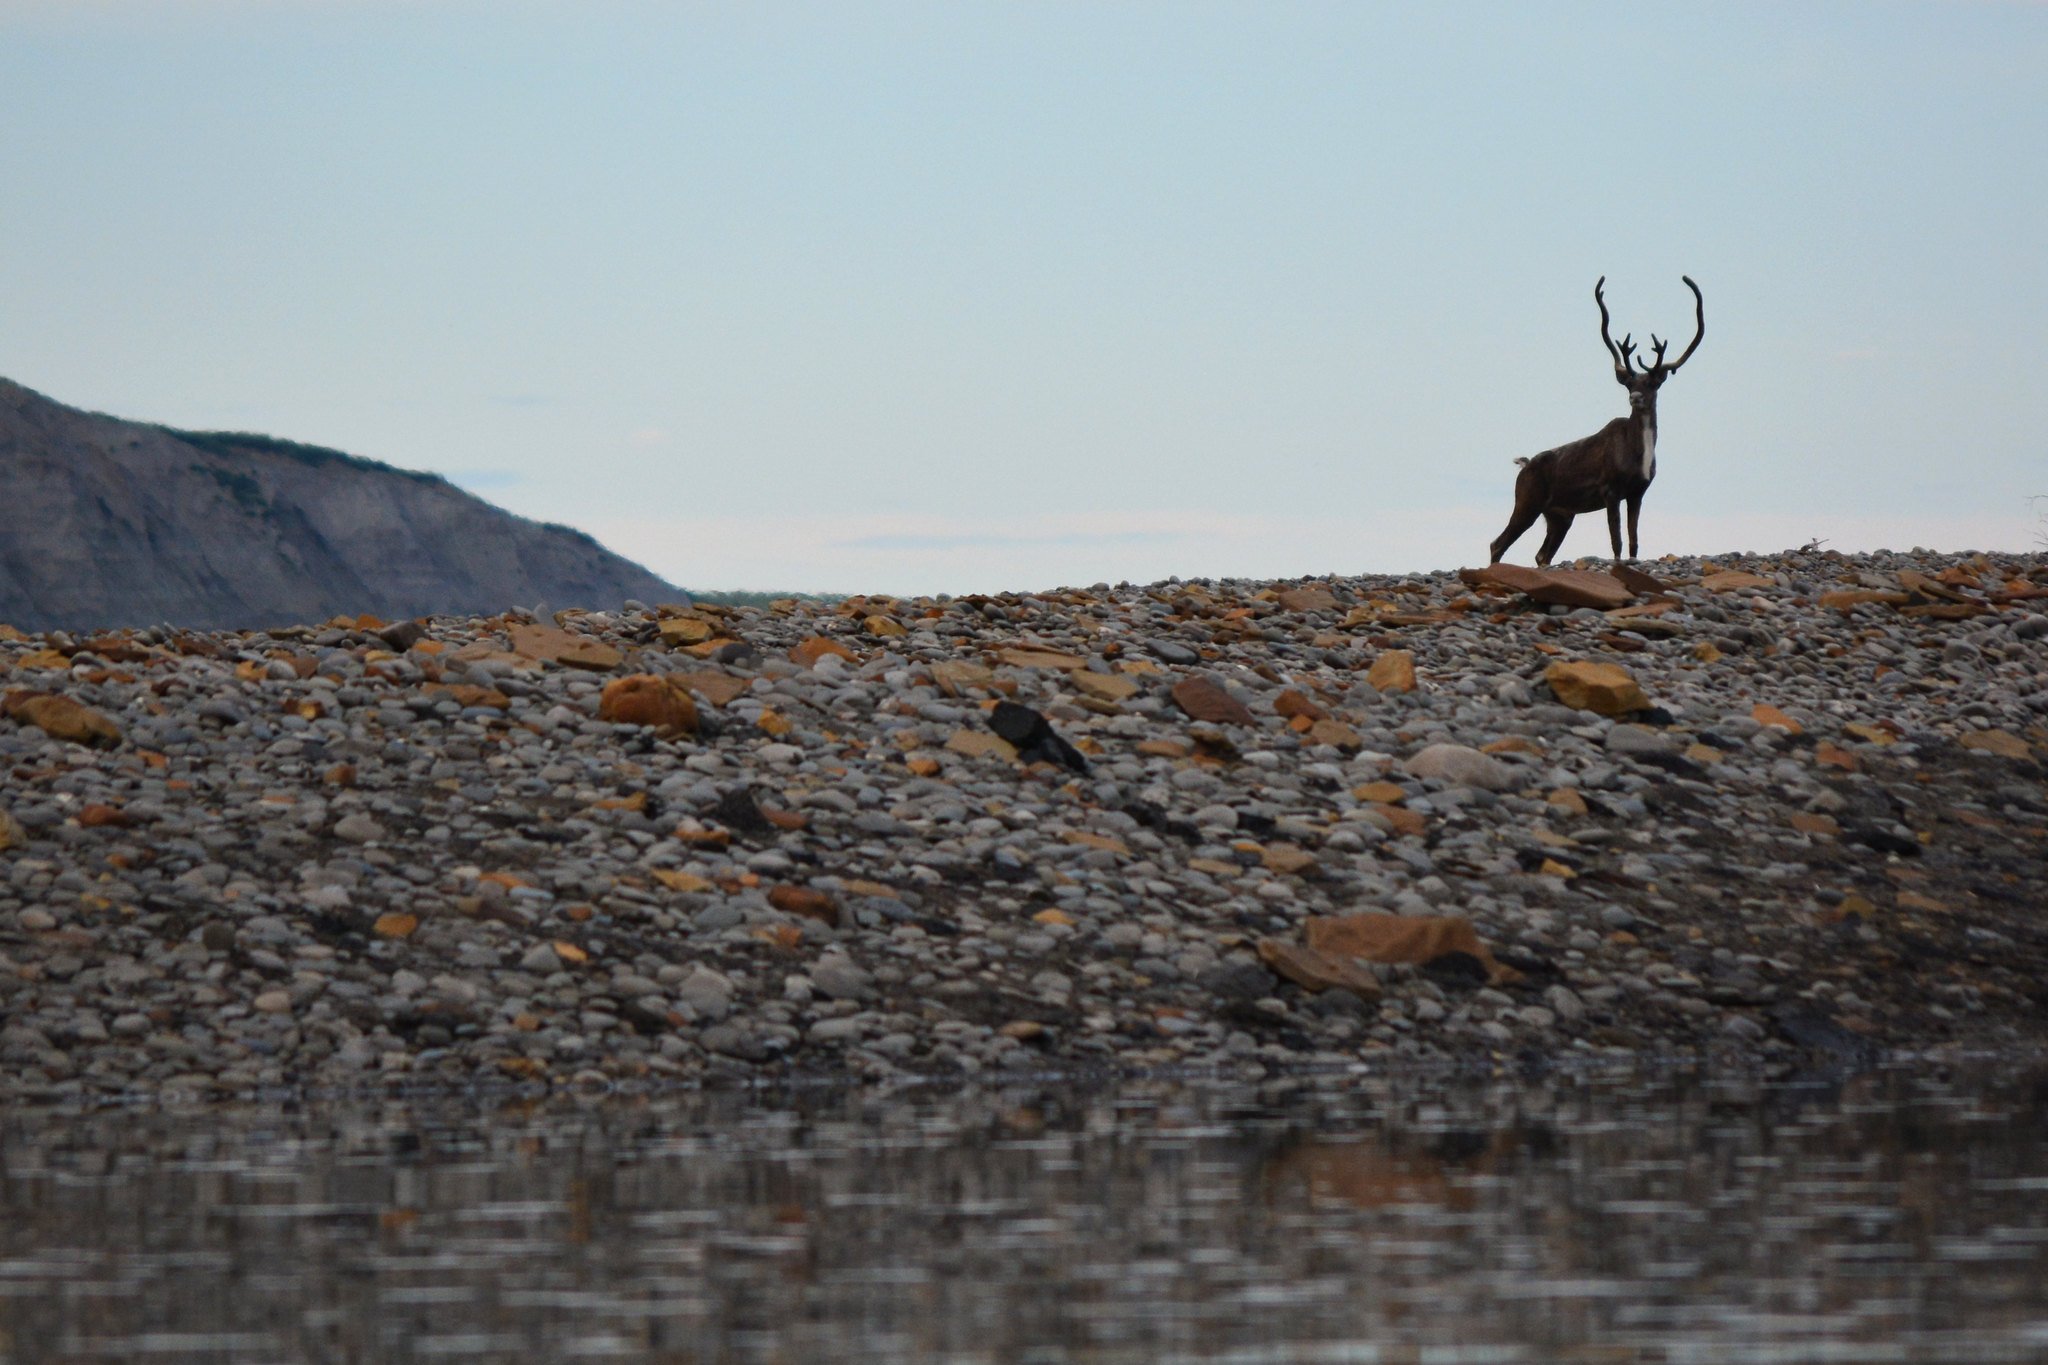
x,y
1613,466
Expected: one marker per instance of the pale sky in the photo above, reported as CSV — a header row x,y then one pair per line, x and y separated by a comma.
x,y
895,297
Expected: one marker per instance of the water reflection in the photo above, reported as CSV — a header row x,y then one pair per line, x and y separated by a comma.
x,y
1900,1218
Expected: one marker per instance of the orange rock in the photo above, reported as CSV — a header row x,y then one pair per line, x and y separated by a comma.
x,y
1293,703
1735,580
1053,917
956,676
62,718
773,722
1604,689
1287,859
1383,793
1404,821
1316,972
1336,734
680,631
1107,842
96,815
1393,671
2000,742
807,901
682,881
1308,597
1374,937
1560,587
1567,799
555,645
922,765
1636,581
1765,714
817,647
981,744
1036,656
1705,753
651,700
1812,822
1203,698
570,953
1108,687
396,925
1163,748
1834,756
1850,600
882,627
469,694
1707,652
340,775
717,688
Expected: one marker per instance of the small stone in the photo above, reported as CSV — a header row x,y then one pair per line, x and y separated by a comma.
x,y
358,828
1638,739
841,979
272,1002
1460,765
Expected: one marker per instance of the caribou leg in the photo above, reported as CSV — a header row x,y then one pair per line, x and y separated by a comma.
x,y
1555,525
1524,517
1635,505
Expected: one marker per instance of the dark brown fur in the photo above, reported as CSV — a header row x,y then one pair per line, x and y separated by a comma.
x,y
1606,469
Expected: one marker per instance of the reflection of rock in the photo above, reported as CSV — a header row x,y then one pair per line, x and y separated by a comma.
x,y
1366,1175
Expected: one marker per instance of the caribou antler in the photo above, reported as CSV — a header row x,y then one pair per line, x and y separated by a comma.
x,y
1613,467
1700,319
1618,352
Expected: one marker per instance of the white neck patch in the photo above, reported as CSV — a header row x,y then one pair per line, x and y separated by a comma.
x,y
1649,451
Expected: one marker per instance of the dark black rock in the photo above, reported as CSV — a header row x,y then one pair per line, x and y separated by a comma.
x,y
1033,736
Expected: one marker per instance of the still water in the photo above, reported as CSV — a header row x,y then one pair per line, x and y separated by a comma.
x,y
1894,1216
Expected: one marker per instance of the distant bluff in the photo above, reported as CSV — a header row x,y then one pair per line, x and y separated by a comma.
x,y
105,522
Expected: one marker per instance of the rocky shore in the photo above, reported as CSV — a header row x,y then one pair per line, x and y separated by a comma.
x,y
1783,807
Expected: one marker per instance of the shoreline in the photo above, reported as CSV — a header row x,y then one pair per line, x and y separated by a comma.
x,y
1130,830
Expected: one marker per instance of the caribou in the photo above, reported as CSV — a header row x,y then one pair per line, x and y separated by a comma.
x,y
1615,464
